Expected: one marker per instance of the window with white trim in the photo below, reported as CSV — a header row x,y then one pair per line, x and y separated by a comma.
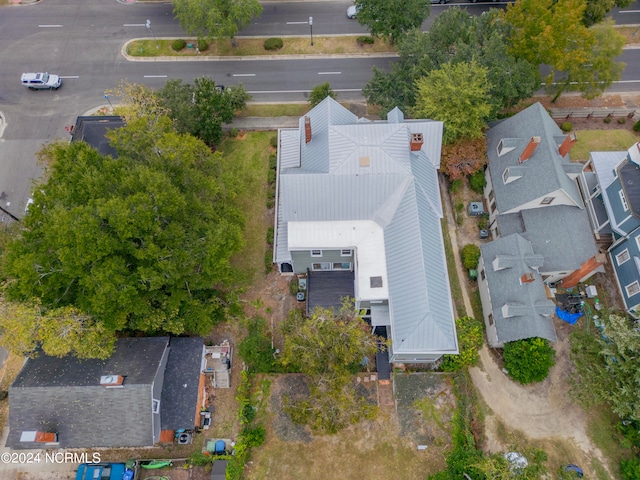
x,y
632,289
155,406
316,253
346,253
546,200
638,241
623,256
623,199
505,175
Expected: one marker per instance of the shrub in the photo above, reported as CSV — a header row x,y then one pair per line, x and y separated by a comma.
x,y
256,352
268,261
636,126
470,338
270,236
607,120
566,127
477,181
630,469
273,161
459,207
273,43
273,141
319,93
482,222
203,45
271,176
233,133
365,40
254,436
178,44
454,185
529,360
622,121
470,256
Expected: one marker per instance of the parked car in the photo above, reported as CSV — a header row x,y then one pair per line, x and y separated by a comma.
x,y
104,471
40,81
352,11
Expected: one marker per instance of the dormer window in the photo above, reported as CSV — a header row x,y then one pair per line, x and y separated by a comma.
x,y
511,174
505,175
623,200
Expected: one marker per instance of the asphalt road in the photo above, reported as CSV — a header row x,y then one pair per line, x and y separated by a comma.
x,y
81,41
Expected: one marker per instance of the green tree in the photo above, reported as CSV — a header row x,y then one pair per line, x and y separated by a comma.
x,y
551,32
320,92
470,338
597,9
606,367
455,37
392,18
470,256
327,347
456,94
141,242
215,18
202,109
529,360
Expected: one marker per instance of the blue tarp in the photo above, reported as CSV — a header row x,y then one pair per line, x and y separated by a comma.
x,y
570,318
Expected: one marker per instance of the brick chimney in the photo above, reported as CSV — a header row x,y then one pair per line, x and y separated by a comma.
x,y
307,129
527,278
416,142
569,141
529,149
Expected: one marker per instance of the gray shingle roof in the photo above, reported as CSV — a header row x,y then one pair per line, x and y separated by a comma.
x,y
528,308
398,190
181,379
64,395
92,130
546,171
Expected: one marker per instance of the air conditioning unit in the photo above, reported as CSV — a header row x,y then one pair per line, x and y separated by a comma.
x,y
184,438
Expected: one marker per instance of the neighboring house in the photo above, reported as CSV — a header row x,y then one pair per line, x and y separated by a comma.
x,y
513,296
610,184
92,130
359,209
148,389
532,191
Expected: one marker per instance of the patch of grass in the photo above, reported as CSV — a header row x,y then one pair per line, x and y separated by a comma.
x,y
476,304
601,141
454,281
249,165
601,429
275,110
255,46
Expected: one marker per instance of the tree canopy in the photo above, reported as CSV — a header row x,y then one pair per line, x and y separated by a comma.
x,y
551,32
215,18
392,18
529,360
596,10
320,92
328,347
141,242
455,37
607,367
458,95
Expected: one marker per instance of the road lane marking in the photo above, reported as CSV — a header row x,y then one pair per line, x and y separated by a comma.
x,y
155,76
69,76
244,74
629,11
297,23
344,90
134,25
50,26
329,73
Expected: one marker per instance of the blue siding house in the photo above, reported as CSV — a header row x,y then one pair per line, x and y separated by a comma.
x,y
610,183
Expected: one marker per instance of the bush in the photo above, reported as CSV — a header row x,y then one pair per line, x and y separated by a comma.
x,y
268,261
636,126
483,222
459,207
273,43
455,185
233,133
607,120
203,45
622,121
566,127
254,436
365,40
270,236
178,44
529,360
477,181
470,338
319,93
273,141
256,352
630,469
470,256
273,161
271,176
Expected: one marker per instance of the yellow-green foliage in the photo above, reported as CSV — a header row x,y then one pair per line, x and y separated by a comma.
x,y
469,342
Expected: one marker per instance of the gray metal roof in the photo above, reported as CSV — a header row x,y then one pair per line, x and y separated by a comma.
x,y
546,171
399,190
64,395
528,308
